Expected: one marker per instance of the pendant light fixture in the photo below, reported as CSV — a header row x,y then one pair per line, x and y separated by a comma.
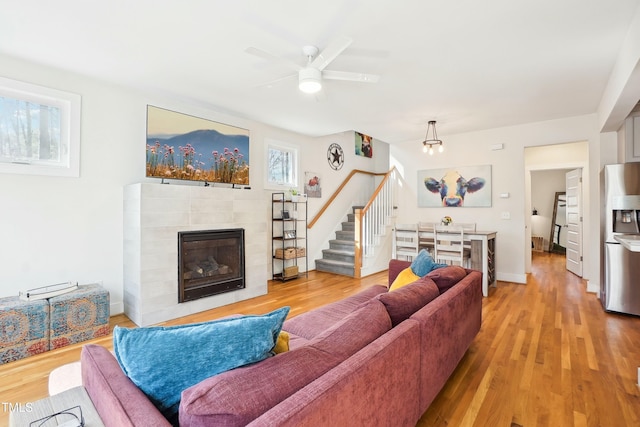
x,y
428,143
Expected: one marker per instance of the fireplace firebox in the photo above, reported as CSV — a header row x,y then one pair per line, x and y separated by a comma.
x,y
210,262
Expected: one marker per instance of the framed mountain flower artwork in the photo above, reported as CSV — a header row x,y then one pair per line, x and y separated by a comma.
x,y
185,147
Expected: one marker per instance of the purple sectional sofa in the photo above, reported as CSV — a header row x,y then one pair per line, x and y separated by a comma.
x,y
375,358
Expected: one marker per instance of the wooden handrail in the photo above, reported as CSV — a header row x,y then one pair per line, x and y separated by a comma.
x,y
378,190
338,190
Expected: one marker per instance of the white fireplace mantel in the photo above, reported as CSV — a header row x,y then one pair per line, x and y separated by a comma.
x,y
153,216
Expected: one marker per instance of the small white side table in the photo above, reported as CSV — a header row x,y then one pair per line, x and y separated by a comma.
x,y
30,412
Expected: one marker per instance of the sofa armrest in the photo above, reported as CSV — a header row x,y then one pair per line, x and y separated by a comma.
x,y
116,398
395,267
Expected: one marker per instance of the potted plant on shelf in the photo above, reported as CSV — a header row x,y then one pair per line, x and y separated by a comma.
x,y
293,194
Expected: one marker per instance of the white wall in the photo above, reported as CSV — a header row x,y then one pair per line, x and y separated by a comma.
x,y
623,88
60,229
508,174
57,229
70,229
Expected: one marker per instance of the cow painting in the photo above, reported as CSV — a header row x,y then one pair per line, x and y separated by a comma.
x,y
453,187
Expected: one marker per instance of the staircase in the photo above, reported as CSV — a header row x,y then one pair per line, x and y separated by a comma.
x,y
373,220
340,257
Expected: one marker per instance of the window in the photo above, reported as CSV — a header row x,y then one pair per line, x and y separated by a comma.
x,y
282,166
39,130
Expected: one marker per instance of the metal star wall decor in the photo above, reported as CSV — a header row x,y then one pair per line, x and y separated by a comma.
x,y
335,156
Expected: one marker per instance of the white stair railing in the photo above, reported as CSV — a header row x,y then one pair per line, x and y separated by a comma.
x,y
372,220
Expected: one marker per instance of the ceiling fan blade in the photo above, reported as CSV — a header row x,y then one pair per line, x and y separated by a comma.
x,y
335,48
350,76
271,57
273,82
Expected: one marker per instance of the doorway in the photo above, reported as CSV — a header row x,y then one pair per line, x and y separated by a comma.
x,y
548,219
546,169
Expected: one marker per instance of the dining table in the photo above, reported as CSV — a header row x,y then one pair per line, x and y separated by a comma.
x,y
482,255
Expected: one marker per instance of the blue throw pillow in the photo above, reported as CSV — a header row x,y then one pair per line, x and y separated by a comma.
x,y
164,361
423,264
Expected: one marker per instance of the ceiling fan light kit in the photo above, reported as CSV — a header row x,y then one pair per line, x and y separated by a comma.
x,y
428,143
310,80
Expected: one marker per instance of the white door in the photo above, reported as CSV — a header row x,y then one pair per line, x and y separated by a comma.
x,y
574,221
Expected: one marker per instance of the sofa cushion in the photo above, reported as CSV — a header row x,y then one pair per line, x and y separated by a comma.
x,y
355,331
403,302
163,361
282,343
395,267
423,264
234,398
447,277
312,323
296,341
405,277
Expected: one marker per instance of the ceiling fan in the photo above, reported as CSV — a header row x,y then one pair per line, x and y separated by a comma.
x,y
311,75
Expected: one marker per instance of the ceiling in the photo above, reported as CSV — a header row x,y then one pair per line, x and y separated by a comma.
x,y
468,64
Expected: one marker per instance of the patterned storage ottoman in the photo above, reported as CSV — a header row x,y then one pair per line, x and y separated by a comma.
x,y
79,315
24,328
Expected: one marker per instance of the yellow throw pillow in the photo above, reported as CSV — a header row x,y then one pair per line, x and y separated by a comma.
x,y
405,277
282,344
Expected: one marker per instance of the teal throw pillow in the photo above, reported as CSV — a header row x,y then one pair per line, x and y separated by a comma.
x,y
423,264
164,361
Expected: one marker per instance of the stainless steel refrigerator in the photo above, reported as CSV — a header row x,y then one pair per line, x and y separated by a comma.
x,y
620,289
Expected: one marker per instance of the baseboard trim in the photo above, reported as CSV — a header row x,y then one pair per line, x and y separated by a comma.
x,y
593,287
116,308
510,277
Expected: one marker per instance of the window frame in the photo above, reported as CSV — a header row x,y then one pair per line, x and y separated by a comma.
x,y
284,147
70,107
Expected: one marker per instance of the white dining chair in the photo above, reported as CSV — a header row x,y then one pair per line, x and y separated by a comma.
x,y
425,236
405,241
449,245
467,226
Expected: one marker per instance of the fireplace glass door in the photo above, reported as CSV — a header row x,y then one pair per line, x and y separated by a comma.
x,y
210,262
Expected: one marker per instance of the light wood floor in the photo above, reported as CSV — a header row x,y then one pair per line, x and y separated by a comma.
x,y
547,354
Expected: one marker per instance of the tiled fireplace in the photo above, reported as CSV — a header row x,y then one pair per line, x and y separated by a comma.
x,y
154,215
